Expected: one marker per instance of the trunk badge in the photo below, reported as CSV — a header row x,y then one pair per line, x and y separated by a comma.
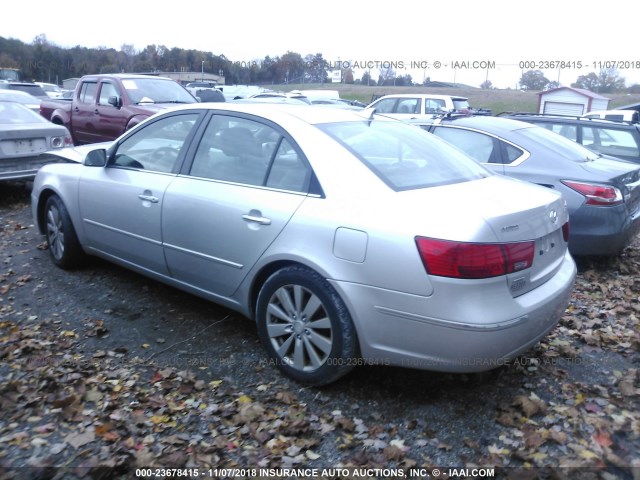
x,y
553,216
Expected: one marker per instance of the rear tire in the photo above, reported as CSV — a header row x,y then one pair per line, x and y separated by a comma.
x,y
306,327
64,247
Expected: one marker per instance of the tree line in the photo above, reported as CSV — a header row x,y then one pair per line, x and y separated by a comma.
x,y
607,80
42,60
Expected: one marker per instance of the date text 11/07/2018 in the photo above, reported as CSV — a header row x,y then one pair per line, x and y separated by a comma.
x,y
283,473
578,64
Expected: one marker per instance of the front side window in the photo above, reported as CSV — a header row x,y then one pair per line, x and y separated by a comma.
x,y
403,156
386,105
157,146
408,105
107,90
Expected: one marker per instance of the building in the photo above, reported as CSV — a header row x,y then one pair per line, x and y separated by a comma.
x,y
571,101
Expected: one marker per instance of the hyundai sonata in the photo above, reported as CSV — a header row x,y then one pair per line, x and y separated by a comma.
x,y
348,238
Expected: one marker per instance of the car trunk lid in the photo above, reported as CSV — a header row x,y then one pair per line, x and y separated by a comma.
x,y
511,212
622,174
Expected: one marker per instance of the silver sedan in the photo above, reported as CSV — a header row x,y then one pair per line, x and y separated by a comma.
x,y
349,239
24,137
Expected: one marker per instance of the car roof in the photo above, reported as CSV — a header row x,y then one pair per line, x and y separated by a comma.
x,y
545,117
421,95
126,76
495,125
311,114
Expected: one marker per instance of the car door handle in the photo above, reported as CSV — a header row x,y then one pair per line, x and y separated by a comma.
x,y
96,111
149,198
256,217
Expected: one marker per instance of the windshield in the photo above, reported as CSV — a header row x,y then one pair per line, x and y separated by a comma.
x,y
403,156
156,90
563,146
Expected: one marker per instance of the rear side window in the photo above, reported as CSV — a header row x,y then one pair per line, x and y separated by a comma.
x,y
88,92
241,150
405,157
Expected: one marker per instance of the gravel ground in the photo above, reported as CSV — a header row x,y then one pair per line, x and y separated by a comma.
x,y
103,371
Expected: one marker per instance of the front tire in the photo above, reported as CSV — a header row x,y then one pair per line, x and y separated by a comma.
x,y
64,247
306,327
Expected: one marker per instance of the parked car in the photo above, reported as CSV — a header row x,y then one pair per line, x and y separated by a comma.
x,y
24,135
294,96
29,101
334,103
615,115
30,88
51,89
409,106
602,193
348,238
209,95
106,105
618,139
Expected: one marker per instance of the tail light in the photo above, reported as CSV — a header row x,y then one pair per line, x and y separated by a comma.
x,y
446,258
61,141
596,194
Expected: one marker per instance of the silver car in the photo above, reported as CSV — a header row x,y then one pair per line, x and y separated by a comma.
x,y
24,137
348,238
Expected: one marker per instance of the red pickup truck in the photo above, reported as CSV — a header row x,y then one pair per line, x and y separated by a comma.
x,y
105,106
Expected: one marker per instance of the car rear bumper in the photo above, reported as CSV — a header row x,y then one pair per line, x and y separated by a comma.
x,y
602,230
22,168
403,330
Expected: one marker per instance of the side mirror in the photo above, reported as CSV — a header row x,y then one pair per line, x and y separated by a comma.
x,y
96,158
115,100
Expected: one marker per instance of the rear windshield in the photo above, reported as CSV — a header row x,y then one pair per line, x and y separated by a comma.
x,y
561,145
35,90
13,113
403,156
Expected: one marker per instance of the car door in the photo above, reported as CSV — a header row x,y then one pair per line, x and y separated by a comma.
x,y
82,113
112,122
245,182
121,204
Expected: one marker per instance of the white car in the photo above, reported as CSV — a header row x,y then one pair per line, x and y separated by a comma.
x,y
410,106
51,89
615,115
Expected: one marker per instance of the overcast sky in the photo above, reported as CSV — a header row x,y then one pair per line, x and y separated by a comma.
x,y
500,33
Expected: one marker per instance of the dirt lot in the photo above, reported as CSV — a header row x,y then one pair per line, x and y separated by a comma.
x,y
103,371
